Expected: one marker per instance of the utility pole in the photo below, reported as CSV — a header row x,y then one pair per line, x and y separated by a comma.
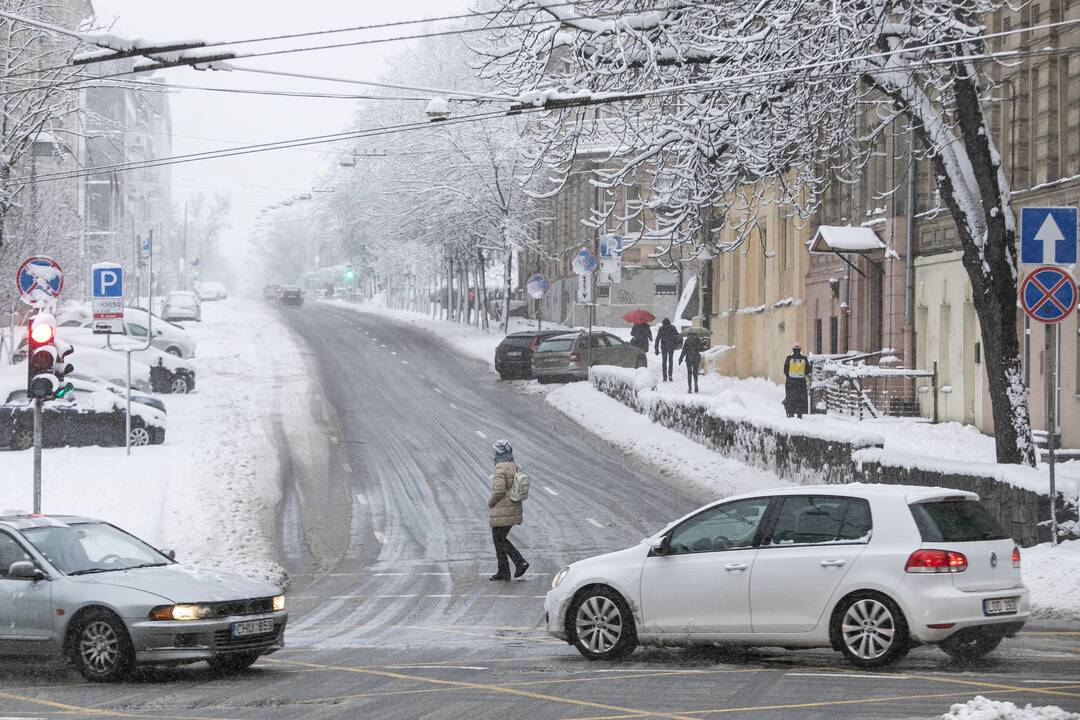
x,y
186,260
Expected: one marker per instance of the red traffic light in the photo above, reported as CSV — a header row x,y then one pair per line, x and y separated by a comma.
x,y
42,332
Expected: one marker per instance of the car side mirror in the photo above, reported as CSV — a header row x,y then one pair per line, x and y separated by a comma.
x,y
171,554
26,570
661,545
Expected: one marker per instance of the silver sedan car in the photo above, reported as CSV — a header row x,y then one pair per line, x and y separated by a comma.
x,y
86,590
569,356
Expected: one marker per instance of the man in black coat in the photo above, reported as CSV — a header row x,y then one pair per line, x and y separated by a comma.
x,y
796,370
668,341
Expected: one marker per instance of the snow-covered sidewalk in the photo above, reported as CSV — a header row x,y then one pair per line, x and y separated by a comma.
x,y
211,491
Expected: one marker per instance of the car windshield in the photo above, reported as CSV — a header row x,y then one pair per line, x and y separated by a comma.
x,y
86,548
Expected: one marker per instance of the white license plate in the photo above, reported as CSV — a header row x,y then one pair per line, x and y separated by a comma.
x,y
513,354
252,627
1001,606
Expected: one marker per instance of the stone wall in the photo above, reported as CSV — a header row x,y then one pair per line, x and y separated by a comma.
x,y
809,456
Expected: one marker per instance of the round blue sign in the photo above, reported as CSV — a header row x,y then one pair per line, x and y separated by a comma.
x,y
39,278
1048,294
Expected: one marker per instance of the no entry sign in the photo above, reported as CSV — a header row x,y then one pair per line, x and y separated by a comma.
x,y
1048,294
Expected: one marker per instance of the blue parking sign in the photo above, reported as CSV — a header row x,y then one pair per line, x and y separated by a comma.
x,y
108,280
1048,235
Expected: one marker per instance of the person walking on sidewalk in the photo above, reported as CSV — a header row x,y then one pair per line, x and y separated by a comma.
x,y
796,370
504,513
641,336
668,341
691,355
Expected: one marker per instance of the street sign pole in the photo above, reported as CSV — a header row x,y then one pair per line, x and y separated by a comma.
x,y
39,431
1051,421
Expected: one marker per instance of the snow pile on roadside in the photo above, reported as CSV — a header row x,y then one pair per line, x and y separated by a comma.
x,y
704,472
211,491
981,708
1051,573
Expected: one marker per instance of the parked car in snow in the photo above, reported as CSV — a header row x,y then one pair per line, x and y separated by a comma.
x,y
168,336
211,291
270,292
291,295
868,570
94,416
567,356
168,373
104,364
513,356
89,383
86,591
182,305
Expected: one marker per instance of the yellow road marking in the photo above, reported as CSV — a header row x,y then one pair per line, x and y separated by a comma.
x,y
996,686
1050,633
500,689
97,712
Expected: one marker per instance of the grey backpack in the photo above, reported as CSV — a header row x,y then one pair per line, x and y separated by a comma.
x,y
519,487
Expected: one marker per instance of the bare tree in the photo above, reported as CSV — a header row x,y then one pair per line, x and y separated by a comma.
x,y
728,104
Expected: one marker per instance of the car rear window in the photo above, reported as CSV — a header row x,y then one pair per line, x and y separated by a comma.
x,y
521,342
556,345
956,521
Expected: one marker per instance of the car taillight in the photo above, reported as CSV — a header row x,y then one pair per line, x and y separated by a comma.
x,y
574,357
534,344
936,561
1016,557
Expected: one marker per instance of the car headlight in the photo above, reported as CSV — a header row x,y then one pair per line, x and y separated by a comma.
x,y
279,603
559,577
182,612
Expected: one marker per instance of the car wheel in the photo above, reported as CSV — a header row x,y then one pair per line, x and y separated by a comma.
x,y
179,385
870,630
232,663
969,646
101,648
174,351
601,625
22,438
139,436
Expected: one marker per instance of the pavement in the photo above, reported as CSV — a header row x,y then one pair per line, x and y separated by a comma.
x,y
392,614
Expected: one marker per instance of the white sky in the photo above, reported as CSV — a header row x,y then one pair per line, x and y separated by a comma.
x,y
225,120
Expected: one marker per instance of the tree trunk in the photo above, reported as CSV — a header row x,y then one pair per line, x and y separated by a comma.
x,y
506,288
481,292
991,267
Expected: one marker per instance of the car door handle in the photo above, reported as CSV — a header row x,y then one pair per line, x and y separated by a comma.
x,y
731,567
833,563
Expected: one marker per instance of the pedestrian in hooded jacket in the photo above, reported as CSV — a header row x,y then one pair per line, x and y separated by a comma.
x,y
796,371
668,341
641,336
504,513
691,355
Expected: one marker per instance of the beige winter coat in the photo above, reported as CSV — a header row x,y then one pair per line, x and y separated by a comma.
x,y
502,511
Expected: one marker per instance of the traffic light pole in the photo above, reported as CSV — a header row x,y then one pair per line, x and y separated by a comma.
x,y
38,433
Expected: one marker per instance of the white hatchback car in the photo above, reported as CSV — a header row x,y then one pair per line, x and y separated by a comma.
x,y
868,570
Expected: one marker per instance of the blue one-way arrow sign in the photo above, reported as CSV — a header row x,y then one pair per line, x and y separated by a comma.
x,y
1048,236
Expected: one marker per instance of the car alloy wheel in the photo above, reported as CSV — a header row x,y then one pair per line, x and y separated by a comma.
x,y
174,351
871,630
140,436
603,628
101,650
179,385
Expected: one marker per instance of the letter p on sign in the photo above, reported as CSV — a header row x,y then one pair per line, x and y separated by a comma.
x,y
108,280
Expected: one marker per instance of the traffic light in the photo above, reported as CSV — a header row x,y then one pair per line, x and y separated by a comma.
x,y
46,360
349,274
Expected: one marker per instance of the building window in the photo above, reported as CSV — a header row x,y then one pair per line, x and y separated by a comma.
x,y
632,207
834,335
817,336
667,289
603,291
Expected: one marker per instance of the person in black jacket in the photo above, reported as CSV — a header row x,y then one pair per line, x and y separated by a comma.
x,y
796,370
641,336
691,355
668,340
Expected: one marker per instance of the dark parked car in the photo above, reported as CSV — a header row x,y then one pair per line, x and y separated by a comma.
x,y
513,356
568,356
78,420
290,295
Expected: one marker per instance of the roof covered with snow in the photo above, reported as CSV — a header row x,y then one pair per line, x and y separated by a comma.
x,y
836,239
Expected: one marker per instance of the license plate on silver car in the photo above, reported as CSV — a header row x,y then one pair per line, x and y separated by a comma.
x,y
513,354
1001,606
252,627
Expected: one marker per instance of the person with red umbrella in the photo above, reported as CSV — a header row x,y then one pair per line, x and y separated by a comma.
x,y
640,333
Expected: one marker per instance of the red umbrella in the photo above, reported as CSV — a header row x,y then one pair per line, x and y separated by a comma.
x,y
638,316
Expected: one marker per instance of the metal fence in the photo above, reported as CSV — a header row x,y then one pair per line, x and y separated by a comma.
x,y
847,385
